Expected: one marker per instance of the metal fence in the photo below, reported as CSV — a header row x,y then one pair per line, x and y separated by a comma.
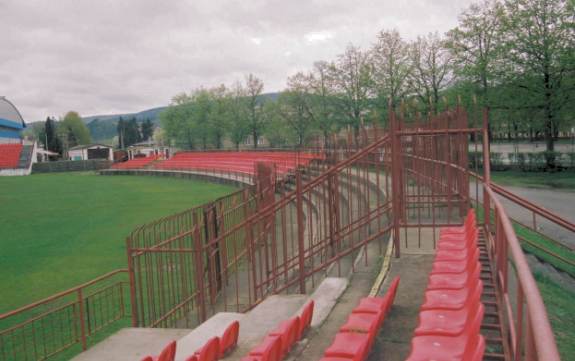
x,y
65,320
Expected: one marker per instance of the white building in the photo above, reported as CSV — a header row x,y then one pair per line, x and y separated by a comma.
x,y
91,151
147,148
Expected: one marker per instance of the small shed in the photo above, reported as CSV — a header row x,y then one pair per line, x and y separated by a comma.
x,y
148,148
91,151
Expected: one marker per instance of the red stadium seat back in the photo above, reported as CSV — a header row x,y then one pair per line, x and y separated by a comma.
x,y
350,345
192,358
288,332
272,351
210,351
148,358
229,339
305,319
168,353
393,290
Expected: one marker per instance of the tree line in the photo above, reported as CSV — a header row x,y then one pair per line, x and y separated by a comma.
x,y
515,57
60,136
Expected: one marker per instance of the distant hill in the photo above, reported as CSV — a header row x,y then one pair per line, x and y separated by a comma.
x,y
103,127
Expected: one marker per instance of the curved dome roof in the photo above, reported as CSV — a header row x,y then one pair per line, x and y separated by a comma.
x,y
9,112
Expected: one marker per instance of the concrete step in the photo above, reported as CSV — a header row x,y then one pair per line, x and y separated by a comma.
x,y
131,344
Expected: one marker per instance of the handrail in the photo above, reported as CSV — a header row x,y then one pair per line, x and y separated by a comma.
x,y
550,216
542,337
61,294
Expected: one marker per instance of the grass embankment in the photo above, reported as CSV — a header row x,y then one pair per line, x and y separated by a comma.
x,y
559,180
60,230
561,313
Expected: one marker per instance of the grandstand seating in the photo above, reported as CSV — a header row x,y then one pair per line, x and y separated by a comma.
x,y
355,338
450,318
136,163
277,344
214,349
10,155
236,162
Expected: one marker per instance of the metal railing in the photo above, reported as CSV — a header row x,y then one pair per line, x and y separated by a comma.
x,y
52,325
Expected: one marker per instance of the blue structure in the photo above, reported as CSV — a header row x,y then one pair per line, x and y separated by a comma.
x,y
11,122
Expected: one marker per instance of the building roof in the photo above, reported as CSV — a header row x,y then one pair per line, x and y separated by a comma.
x,y
10,117
84,146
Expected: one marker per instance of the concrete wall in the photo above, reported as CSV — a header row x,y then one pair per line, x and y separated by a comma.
x,y
71,166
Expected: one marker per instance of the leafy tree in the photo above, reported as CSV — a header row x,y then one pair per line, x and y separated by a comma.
x,y
147,129
294,105
73,131
539,43
51,141
238,114
474,46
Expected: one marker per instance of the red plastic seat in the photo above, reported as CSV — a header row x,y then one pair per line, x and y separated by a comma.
x,y
210,351
470,219
434,347
455,266
288,331
452,255
335,359
454,281
361,322
460,242
272,352
450,299
305,319
349,345
447,322
148,358
192,358
366,323
229,338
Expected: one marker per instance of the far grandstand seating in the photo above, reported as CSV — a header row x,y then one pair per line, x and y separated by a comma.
x,y
355,338
236,162
451,315
136,163
10,155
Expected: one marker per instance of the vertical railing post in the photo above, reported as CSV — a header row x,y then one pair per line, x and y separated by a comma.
x,y
395,179
199,268
486,170
300,232
132,275
81,319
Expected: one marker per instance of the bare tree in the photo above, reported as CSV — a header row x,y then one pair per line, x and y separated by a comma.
x,y
352,79
254,88
390,57
432,66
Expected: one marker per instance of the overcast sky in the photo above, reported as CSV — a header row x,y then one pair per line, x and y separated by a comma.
x,y
112,56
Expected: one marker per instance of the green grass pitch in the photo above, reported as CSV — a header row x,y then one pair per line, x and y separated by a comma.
x,y
60,230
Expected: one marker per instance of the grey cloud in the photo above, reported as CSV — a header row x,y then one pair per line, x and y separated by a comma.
x,y
108,56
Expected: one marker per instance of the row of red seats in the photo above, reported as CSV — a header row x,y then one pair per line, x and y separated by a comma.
x,y
136,162
213,350
240,162
451,315
10,155
277,344
355,338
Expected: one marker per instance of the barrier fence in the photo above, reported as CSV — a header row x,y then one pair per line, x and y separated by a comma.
x,y
65,320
